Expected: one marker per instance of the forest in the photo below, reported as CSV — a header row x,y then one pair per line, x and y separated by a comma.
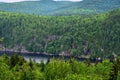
x,y
16,68
89,35
50,7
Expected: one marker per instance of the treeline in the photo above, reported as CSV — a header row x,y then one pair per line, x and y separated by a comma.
x,y
94,35
50,7
16,68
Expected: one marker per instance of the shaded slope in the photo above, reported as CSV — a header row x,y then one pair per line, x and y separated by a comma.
x,y
49,7
95,35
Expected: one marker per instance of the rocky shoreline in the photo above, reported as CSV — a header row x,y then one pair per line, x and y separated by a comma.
x,y
78,58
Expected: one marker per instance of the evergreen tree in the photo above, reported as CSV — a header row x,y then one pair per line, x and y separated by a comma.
x,y
115,69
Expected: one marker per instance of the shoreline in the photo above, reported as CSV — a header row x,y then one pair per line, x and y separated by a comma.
x,y
78,58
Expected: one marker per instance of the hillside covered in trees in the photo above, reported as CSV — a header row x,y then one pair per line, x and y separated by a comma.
x,y
16,68
94,35
51,7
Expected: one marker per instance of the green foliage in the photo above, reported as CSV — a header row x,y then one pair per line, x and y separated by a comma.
x,y
83,77
14,59
115,70
50,7
1,39
118,76
30,63
93,35
97,35
103,69
42,65
5,73
59,70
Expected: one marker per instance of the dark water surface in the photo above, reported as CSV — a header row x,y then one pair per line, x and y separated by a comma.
x,y
37,57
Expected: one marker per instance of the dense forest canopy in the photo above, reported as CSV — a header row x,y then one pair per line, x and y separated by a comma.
x,y
16,68
50,7
94,35
66,32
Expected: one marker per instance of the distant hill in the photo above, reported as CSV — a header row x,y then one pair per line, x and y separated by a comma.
x,y
49,7
94,35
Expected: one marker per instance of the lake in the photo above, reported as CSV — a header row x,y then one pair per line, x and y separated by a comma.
x,y
35,56
38,57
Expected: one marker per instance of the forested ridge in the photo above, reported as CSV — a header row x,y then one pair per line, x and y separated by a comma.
x,y
94,35
50,7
